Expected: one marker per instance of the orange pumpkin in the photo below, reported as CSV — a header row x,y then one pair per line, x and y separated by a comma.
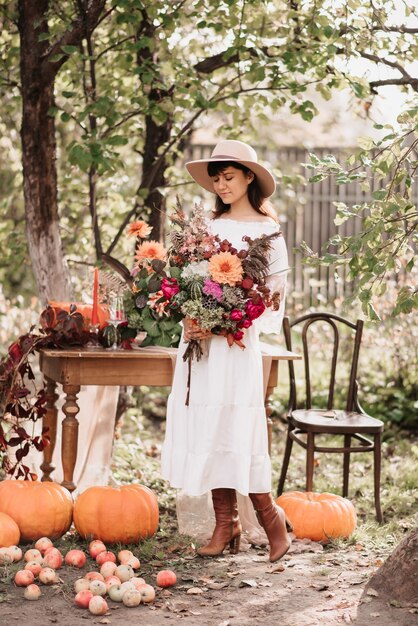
x,y
318,516
39,509
9,531
124,514
85,310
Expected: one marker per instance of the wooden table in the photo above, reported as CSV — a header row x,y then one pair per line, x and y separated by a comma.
x,y
84,366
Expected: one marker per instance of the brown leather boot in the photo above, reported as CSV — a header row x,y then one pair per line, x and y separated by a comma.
x,y
228,527
273,520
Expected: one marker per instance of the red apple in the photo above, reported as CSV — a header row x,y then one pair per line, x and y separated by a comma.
x,y
98,605
32,592
5,556
166,578
81,584
53,558
98,588
137,582
94,576
15,553
24,577
131,597
95,547
108,569
134,562
34,567
124,572
83,598
76,558
111,580
147,593
33,555
124,555
102,557
48,576
43,544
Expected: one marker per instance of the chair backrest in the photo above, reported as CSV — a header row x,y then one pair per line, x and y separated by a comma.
x,y
335,323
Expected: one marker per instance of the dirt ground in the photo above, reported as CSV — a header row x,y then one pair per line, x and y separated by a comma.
x,y
309,586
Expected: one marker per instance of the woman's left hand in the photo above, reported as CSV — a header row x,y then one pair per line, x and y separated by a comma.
x,y
192,330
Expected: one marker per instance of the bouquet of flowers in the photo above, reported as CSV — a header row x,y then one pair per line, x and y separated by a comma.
x,y
199,277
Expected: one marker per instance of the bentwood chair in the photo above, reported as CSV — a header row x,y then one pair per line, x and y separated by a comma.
x,y
307,423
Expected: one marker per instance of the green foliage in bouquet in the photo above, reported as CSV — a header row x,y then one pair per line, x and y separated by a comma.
x,y
148,309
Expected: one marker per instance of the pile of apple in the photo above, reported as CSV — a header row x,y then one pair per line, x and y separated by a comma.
x,y
119,582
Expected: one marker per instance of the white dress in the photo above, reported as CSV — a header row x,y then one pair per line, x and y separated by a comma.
x,y
220,439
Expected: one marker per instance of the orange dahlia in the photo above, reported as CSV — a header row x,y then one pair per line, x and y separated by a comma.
x,y
139,229
225,268
151,250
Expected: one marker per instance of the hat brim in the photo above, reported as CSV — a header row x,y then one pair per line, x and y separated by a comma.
x,y
199,171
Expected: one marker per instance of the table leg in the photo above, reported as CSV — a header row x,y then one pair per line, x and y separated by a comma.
x,y
69,435
269,411
50,422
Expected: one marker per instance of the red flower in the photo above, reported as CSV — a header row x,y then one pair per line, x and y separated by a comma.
x,y
238,334
245,323
169,287
236,315
254,310
247,282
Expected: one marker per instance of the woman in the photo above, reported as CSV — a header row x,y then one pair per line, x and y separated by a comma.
x,y
218,442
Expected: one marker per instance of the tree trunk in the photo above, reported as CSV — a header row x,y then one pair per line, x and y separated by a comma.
x,y
154,177
39,154
397,578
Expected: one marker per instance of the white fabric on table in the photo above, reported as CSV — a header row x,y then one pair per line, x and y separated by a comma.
x,y
220,439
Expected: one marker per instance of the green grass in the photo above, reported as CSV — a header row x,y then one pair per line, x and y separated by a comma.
x,y
136,457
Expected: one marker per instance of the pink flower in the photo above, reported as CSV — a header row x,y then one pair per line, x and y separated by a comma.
x,y
246,323
210,288
169,287
236,315
254,310
238,334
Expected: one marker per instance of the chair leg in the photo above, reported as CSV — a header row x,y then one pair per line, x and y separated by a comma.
x,y
286,459
377,463
310,461
346,465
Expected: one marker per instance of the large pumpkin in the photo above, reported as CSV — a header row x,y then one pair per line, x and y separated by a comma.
x,y
40,509
124,514
318,516
9,531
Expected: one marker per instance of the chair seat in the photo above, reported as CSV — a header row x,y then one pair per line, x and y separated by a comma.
x,y
334,421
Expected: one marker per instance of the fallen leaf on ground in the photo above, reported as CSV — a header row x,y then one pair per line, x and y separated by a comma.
x,y
276,570
248,583
194,591
374,614
217,585
372,592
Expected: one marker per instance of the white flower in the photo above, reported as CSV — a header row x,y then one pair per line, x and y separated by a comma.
x,y
196,269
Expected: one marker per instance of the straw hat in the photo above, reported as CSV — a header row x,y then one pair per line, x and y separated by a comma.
x,y
231,150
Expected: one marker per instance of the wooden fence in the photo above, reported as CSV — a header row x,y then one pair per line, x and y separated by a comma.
x,y
306,213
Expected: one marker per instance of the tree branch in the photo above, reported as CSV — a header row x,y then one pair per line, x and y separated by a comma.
x,y
80,27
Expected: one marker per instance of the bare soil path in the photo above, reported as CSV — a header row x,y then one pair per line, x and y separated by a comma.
x,y
310,586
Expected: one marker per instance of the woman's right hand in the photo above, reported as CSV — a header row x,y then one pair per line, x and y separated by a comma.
x,y
192,330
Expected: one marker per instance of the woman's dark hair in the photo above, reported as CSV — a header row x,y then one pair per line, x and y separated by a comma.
x,y
255,196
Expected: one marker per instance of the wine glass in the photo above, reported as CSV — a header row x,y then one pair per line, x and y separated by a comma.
x,y
117,315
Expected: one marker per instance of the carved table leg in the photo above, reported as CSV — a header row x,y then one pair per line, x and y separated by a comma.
x,y
50,422
69,435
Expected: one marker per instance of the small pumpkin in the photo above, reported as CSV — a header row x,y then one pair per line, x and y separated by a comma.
x,y
9,531
124,514
85,310
318,516
40,509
